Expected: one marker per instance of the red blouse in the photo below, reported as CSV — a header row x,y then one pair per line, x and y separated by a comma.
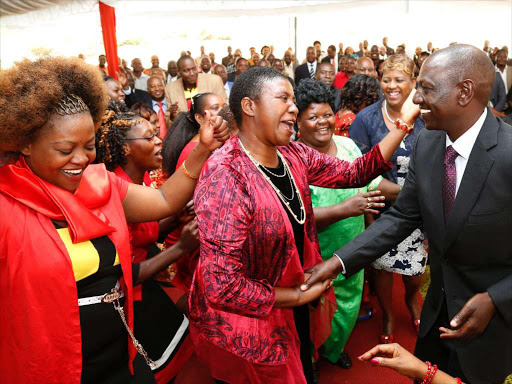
x,y
343,123
247,249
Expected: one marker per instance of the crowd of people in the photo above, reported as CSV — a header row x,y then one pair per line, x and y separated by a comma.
x,y
231,218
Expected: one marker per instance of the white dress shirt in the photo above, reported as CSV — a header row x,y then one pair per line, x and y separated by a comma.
x,y
170,79
141,82
464,145
290,71
227,89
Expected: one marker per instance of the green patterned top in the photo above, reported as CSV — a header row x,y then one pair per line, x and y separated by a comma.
x,y
338,234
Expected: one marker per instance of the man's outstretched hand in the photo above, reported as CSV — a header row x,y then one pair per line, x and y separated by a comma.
x,y
321,272
472,319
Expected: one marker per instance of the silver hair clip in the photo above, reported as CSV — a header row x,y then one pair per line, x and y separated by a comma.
x,y
71,105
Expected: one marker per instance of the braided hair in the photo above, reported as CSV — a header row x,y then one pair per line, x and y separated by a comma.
x,y
111,146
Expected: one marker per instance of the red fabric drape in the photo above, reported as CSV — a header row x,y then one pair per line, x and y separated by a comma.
x,y
108,27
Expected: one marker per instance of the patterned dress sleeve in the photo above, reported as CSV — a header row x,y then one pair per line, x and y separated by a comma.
x,y
330,172
223,209
359,133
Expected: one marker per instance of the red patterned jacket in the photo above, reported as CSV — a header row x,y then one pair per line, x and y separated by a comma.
x,y
247,249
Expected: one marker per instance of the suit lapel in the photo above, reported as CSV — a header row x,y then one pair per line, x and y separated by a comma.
x,y
436,177
477,169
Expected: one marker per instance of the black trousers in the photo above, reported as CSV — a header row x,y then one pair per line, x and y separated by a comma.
x,y
439,351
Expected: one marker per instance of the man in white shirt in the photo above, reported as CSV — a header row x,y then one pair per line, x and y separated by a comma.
x,y
458,190
288,65
220,70
141,79
172,71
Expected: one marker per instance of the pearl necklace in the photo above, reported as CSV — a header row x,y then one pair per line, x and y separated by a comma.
x,y
386,111
285,200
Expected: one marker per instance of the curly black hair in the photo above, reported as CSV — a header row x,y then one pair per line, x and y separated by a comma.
x,y
359,92
249,84
32,90
110,139
182,130
312,91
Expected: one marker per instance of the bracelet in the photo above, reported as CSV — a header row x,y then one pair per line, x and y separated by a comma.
x,y
431,371
459,381
401,125
187,173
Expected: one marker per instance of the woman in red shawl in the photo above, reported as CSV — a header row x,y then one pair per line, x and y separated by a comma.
x,y
65,244
249,320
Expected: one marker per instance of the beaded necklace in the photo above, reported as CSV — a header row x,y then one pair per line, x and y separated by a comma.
x,y
285,200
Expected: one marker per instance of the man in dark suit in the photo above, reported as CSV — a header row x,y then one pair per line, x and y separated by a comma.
x,y
459,188
308,69
331,57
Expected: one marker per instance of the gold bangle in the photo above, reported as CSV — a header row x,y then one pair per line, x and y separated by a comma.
x,y
187,173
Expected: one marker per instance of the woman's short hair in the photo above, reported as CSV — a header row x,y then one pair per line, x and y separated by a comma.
x,y
311,91
402,63
359,92
182,130
33,90
249,84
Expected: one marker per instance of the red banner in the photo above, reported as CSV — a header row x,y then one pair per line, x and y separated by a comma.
x,y
108,27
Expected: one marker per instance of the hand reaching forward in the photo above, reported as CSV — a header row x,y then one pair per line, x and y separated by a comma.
x,y
213,132
410,111
396,357
472,319
321,272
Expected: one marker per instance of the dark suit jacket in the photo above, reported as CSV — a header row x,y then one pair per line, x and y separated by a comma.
x,y
301,72
470,254
226,60
138,96
498,96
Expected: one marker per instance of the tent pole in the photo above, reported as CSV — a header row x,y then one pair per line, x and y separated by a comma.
x,y
295,34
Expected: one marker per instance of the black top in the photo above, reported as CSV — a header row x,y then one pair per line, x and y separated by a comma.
x,y
300,314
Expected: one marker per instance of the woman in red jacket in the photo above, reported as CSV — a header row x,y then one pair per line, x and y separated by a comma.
x,y
64,242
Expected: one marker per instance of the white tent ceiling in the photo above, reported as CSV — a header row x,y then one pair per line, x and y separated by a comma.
x,y
64,27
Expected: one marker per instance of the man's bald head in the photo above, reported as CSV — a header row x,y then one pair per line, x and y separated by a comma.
x,y
461,62
364,66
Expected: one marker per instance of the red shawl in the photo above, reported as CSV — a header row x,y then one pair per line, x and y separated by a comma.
x,y
39,316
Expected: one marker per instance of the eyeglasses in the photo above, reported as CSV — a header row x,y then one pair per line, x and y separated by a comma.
x,y
149,138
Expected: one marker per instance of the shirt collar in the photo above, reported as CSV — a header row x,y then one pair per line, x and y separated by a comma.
x,y
464,144
156,102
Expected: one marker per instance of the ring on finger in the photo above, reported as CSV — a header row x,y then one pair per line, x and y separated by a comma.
x,y
369,206
369,200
